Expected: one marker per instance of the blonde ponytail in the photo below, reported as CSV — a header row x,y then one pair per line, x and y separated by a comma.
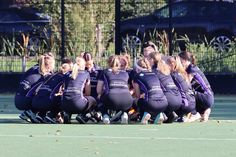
x,y
79,65
114,63
163,67
179,68
143,64
42,68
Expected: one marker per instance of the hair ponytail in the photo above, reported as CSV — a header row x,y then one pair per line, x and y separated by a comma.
x,y
193,59
75,71
114,63
188,56
156,56
42,68
180,69
79,65
163,67
143,64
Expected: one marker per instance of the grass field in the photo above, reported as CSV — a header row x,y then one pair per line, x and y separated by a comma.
x,y
216,138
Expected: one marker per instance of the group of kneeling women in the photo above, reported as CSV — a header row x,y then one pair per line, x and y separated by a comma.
x,y
158,89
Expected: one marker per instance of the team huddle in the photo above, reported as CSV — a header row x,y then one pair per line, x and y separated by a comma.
x,y
159,89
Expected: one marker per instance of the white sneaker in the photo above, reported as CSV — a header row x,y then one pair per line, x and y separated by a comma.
x,y
106,119
146,117
187,117
206,114
124,118
159,118
194,117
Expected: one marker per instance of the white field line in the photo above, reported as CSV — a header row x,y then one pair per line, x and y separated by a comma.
x,y
123,137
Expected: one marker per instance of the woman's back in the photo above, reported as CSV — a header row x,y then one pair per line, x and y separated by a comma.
x,y
115,81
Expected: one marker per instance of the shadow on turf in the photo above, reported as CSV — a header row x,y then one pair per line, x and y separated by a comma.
x,y
18,121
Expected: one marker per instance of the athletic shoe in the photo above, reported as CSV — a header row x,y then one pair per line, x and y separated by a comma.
x,y
32,116
41,118
90,118
194,117
171,118
66,117
59,118
159,118
97,116
124,118
106,119
23,116
82,119
50,119
145,118
188,117
206,114
116,116
182,119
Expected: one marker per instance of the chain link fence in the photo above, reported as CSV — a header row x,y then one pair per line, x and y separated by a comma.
x,y
90,26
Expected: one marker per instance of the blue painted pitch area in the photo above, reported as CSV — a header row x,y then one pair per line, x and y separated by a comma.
x,y
215,138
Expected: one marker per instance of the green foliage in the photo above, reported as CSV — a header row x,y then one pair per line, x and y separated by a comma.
x,y
94,23
9,46
14,63
90,27
211,60
81,20
134,8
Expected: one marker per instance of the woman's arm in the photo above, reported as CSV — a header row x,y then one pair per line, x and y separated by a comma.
x,y
136,89
100,85
87,88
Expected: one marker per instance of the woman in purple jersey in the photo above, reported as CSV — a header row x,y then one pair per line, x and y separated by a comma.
x,y
182,81
125,65
203,92
48,98
76,95
113,90
29,83
150,98
93,70
171,91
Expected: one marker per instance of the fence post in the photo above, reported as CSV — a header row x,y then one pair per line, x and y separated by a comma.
x,y
117,27
23,63
170,27
99,37
62,29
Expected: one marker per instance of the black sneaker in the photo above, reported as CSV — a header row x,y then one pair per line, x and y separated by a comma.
x,y
97,116
116,116
32,116
82,119
50,120
66,117
180,120
41,119
171,117
91,118
23,116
